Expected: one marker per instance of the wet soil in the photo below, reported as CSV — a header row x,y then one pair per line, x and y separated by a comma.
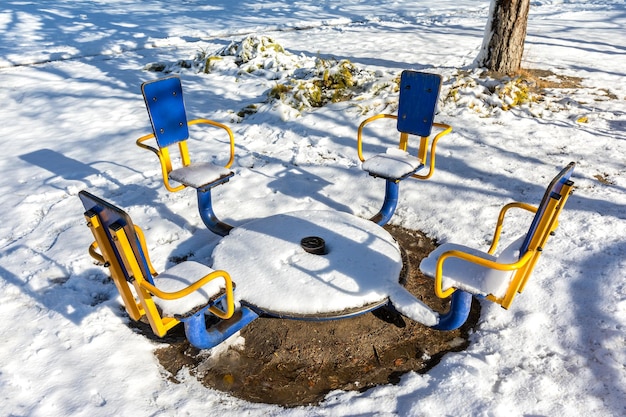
x,y
292,362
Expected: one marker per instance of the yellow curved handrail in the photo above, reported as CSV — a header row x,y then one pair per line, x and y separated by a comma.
x,y
433,147
95,255
164,156
161,325
359,138
499,224
439,291
227,129
431,169
230,303
164,160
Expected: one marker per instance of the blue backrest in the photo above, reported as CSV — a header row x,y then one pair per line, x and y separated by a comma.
x,y
166,108
552,191
110,215
419,92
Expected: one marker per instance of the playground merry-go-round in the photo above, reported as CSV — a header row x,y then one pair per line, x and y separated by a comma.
x,y
309,265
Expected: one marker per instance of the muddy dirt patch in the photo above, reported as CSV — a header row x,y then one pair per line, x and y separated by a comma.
x,y
291,362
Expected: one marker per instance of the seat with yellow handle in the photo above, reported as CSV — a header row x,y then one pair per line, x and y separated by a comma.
x,y
417,103
186,292
166,109
500,278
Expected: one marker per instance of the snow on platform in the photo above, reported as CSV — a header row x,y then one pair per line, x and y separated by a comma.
x,y
273,272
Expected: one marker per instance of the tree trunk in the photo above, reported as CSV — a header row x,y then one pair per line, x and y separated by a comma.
x,y
503,44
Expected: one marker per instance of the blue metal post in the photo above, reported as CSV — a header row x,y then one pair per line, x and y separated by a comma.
x,y
202,338
460,306
208,216
392,190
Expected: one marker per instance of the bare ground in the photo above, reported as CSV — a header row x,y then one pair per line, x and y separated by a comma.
x,y
291,362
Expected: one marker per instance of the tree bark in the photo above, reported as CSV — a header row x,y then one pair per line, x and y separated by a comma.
x,y
503,44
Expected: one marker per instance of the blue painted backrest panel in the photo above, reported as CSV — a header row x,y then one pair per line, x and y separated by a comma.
x,y
419,92
166,108
553,190
110,214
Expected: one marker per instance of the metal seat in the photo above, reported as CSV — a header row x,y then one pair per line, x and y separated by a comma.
x,y
186,293
166,109
419,93
499,278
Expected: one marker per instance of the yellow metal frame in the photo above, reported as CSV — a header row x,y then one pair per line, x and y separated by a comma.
x,y
164,155
107,258
527,261
144,289
141,303
422,152
229,288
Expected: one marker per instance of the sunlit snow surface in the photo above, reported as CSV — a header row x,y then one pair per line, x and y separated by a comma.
x,y
70,77
273,271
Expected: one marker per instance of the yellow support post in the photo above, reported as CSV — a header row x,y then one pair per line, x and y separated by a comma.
x,y
107,257
159,325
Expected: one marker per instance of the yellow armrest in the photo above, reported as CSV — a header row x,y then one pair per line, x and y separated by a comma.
x,y
503,211
359,139
431,169
474,259
227,129
95,255
164,160
422,152
230,304
142,139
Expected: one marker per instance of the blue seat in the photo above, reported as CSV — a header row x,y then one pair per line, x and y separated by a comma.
x,y
166,109
419,92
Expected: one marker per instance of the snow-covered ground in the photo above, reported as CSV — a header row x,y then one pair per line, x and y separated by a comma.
x,y
70,76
